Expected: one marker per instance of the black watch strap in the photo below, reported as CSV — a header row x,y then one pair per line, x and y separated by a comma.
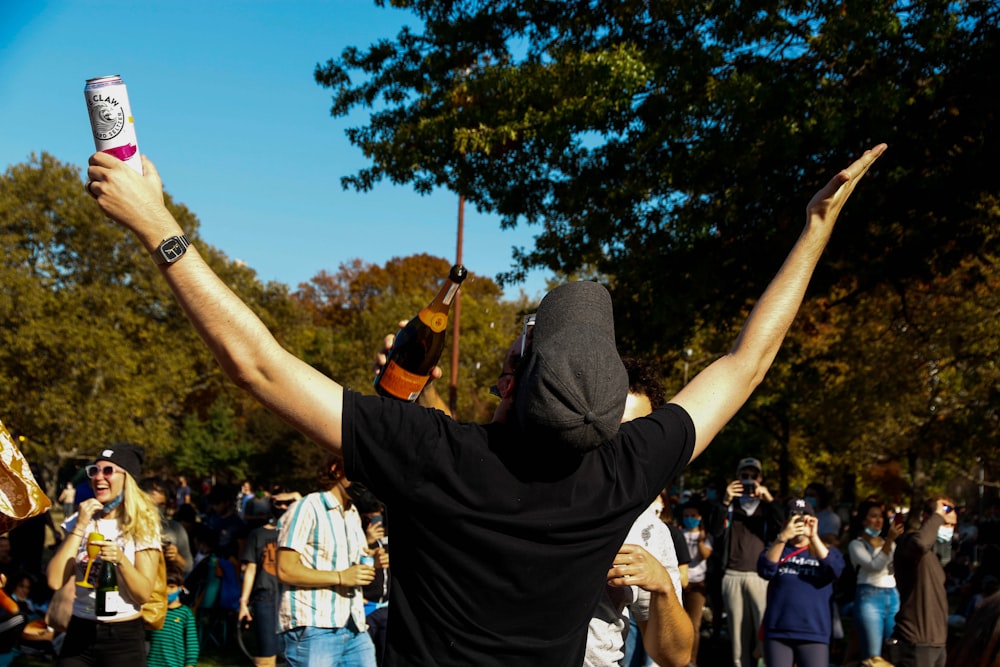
x,y
171,249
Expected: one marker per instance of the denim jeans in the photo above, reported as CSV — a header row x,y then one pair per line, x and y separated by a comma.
x,y
874,616
322,647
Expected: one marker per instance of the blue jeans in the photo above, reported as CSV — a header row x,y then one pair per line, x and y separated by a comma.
x,y
875,617
322,647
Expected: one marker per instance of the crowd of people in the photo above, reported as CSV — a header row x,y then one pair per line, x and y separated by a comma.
x,y
767,578
808,581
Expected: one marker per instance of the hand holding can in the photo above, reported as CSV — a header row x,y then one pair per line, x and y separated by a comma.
x,y
111,119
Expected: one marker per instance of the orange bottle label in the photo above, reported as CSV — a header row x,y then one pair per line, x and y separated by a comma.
x,y
436,321
401,383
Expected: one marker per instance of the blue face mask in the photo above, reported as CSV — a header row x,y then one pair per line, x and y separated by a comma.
x,y
173,597
711,495
691,522
871,532
115,502
812,501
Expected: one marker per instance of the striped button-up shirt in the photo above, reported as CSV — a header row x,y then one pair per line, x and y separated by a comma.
x,y
327,537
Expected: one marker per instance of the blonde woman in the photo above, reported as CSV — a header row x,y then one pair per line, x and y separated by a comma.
x,y
130,524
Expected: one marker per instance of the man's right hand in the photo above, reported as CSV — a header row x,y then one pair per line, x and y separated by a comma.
x,y
733,491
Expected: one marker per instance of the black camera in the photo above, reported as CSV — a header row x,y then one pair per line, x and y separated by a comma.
x,y
749,486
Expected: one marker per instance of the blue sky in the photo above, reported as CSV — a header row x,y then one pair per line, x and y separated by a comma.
x,y
226,106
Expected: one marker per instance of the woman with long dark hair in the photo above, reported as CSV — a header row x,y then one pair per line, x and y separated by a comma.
x,y
130,525
876,599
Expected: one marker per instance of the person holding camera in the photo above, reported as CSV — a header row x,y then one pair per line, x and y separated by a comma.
x,y
753,520
800,569
920,638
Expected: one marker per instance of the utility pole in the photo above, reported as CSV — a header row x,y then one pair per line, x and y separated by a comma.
x,y
457,326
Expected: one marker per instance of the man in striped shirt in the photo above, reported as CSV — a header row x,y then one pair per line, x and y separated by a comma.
x,y
320,545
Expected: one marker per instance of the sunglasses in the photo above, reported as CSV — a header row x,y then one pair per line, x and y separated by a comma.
x,y
529,322
107,471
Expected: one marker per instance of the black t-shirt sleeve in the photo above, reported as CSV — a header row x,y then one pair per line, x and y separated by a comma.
x,y
680,545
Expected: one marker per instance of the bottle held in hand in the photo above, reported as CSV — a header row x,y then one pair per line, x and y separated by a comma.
x,y
418,346
107,590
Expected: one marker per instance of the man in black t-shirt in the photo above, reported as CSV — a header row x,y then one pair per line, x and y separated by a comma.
x,y
507,529
259,595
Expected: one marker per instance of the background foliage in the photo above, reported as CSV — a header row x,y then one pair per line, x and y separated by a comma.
x,y
666,148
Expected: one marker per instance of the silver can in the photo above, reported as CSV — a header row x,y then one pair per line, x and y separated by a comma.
x,y
111,119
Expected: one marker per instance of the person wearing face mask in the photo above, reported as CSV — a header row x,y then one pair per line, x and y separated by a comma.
x,y
876,599
259,597
699,544
176,644
921,634
130,525
321,544
753,521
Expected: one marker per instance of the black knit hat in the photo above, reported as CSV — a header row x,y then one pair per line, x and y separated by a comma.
x,y
126,456
572,384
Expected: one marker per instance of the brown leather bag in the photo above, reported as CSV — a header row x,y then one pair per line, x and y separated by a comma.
x,y
20,496
154,612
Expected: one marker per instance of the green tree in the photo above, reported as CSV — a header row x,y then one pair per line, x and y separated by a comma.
x,y
357,307
93,347
674,144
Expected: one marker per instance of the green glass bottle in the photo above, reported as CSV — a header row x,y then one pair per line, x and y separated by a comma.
x,y
107,590
419,344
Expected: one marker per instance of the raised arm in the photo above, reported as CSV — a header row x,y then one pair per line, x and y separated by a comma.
x,y
248,353
718,392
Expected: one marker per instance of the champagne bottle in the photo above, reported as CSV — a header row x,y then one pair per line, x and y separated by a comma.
x,y
107,590
418,346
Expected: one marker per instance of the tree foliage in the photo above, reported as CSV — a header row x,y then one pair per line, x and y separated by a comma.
x,y
94,349
369,301
670,147
675,143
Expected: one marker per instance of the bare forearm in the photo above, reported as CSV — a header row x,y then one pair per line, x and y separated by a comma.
x,y
775,549
248,578
668,635
60,567
297,574
138,579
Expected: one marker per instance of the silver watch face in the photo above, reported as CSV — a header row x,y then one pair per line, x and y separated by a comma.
x,y
172,249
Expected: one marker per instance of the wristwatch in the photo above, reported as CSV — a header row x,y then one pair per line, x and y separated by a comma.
x,y
171,249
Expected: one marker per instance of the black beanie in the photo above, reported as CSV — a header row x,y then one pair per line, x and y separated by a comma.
x,y
126,456
572,384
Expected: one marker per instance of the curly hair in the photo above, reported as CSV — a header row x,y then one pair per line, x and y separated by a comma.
x,y
644,379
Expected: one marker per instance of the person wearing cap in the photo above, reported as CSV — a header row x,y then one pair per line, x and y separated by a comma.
x,y
753,520
261,590
507,529
920,637
130,525
800,570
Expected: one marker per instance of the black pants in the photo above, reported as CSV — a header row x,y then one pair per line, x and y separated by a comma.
x,y
90,643
902,653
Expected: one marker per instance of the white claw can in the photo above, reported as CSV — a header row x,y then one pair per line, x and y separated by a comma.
x,y
111,119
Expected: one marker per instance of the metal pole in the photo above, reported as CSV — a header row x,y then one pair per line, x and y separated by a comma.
x,y
457,326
